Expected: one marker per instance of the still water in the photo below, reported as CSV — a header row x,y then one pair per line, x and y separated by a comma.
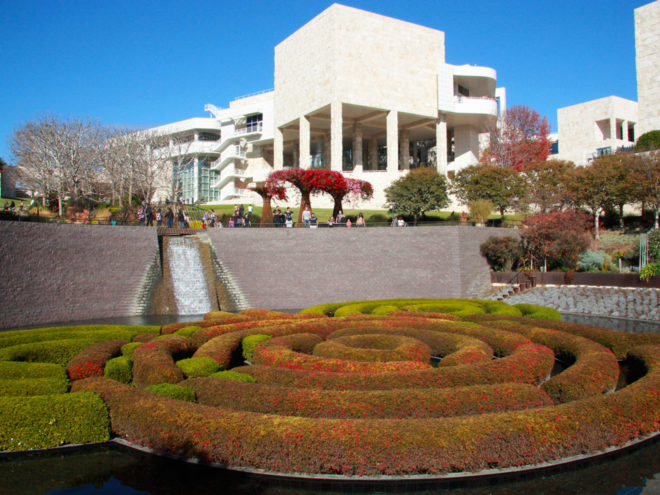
x,y
111,469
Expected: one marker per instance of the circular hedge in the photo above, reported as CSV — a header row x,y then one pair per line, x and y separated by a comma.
x,y
365,391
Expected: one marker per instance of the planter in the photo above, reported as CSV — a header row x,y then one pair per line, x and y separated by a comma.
x,y
577,278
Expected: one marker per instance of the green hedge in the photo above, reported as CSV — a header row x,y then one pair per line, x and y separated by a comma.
x,y
198,366
250,342
172,391
233,375
119,369
51,420
91,361
153,362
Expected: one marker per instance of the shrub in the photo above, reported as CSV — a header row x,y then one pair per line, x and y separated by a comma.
x,y
502,253
172,391
648,141
534,311
480,210
198,366
55,351
127,349
91,361
250,342
47,421
119,369
654,245
153,362
649,271
590,261
233,375
187,331
384,309
557,237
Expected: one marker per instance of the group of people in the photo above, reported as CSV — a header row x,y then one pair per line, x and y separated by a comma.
x,y
311,221
11,207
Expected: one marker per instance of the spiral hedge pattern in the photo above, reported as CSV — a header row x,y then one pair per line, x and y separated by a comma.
x,y
372,388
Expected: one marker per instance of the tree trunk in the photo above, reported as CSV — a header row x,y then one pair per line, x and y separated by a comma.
x,y
266,212
621,216
304,201
596,220
338,206
657,214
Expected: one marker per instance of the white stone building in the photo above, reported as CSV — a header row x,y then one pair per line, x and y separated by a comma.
x,y
356,92
647,47
594,128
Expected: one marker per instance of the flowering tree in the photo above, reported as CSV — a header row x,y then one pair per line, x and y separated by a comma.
x,y
313,181
520,138
267,192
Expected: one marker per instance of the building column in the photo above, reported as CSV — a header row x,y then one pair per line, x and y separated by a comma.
x,y
326,151
624,131
304,142
404,149
373,153
336,137
278,149
357,149
441,145
612,129
392,141
195,193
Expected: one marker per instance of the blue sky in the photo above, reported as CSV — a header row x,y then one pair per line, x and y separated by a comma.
x,y
143,63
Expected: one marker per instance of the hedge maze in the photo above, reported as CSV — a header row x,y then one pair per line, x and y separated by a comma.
x,y
364,388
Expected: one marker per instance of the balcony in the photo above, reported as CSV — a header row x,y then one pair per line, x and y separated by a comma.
x,y
227,175
255,128
475,105
234,152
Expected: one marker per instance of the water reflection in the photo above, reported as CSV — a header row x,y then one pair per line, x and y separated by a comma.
x,y
116,470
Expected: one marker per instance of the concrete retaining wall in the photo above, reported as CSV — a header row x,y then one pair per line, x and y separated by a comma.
x,y
55,273
297,268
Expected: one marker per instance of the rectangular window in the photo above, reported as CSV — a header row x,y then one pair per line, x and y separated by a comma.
x,y
254,122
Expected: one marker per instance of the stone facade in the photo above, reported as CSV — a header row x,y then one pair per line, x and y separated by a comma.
x,y
360,93
596,127
647,46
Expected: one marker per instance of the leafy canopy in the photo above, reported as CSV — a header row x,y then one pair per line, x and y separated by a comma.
x,y
421,190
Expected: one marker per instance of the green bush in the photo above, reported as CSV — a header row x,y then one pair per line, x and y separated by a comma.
x,y
384,309
500,308
233,375
47,421
654,245
187,331
119,369
127,349
502,253
54,351
480,210
13,369
198,366
650,270
250,342
541,312
648,141
590,261
33,386
172,391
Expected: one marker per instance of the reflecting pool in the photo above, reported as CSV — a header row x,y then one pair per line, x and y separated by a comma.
x,y
114,469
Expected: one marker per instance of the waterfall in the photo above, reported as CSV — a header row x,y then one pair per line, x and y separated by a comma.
x,y
189,285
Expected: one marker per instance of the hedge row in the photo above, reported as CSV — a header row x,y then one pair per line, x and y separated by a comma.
x,y
402,403
24,378
386,446
458,307
51,420
91,361
376,347
529,363
154,362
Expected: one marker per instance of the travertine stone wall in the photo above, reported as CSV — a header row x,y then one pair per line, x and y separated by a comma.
x,y
579,136
647,45
297,268
352,56
55,273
